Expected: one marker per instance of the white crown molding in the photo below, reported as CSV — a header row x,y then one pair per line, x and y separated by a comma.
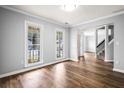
x,y
32,15
97,19
61,24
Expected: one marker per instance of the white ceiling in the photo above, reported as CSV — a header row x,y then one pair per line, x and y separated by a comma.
x,y
81,14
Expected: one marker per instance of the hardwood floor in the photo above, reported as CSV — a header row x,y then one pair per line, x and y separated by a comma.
x,y
88,72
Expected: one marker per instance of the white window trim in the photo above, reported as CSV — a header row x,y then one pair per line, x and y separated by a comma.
x,y
26,43
60,30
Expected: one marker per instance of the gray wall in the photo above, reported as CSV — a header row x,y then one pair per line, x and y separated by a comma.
x,y
74,44
90,43
118,36
82,44
12,30
109,48
110,51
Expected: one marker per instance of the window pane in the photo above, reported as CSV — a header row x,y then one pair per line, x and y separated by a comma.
x,y
33,44
59,44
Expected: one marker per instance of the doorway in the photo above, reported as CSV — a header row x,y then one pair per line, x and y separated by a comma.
x,y
98,41
87,43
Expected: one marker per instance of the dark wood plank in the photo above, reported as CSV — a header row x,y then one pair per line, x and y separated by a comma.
x,y
88,72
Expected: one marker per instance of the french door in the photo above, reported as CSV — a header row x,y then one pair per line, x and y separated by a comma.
x,y
60,44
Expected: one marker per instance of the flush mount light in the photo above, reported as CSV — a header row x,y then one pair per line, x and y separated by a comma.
x,y
69,7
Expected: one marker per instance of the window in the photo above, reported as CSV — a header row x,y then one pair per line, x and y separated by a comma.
x,y
33,43
110,32
59,44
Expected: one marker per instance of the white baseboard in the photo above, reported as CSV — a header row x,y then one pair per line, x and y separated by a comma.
x,y
118,70
31,68
73,59
109,60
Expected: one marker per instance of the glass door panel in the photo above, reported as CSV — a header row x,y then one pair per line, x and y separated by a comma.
x,y
59,44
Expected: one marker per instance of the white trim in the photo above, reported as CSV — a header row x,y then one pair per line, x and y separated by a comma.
x,y
118,70
61,24
60,30
32,15
106,42
58,23
100,18
25,44
76,60
109,60
111,41
41,42
31,68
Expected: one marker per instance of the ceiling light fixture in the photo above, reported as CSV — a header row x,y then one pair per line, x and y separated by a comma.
x,y
69,7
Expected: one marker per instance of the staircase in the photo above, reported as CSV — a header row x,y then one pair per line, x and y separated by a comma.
x,y
100,50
